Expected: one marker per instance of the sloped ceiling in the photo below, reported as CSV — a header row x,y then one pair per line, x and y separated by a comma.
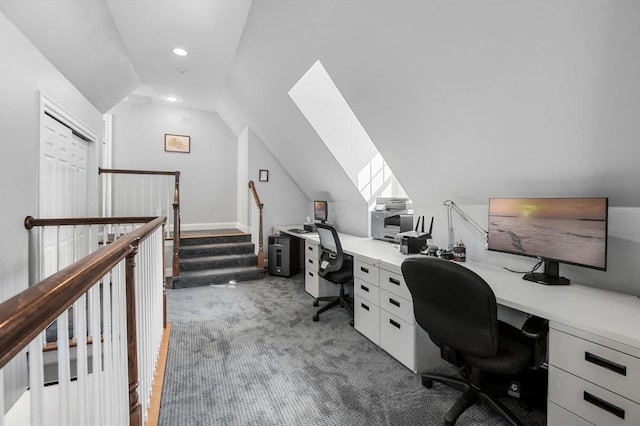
x,y
110,49
82,42
465,100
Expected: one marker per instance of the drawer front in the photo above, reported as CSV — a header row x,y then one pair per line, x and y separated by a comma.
x,y
366,271
591,402
394,283
397,305
366,291
310,262
398,338
617,371
311,282
311,249
558,416
366,319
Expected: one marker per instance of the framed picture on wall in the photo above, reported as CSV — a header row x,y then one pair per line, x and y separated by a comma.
x,y
177,143
263,175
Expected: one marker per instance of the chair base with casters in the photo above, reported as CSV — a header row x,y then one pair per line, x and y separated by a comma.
x,y
476,379
344,300
473,393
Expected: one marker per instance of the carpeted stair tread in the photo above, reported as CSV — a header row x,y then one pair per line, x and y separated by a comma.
x,y
204,250
215,239
218,276
212,262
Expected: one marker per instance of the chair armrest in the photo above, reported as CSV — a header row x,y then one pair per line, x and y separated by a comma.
x,y
535,327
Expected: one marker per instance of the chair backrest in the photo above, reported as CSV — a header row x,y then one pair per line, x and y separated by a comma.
x,y
331,257
453,304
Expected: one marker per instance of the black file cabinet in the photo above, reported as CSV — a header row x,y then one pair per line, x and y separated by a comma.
x,y
284,255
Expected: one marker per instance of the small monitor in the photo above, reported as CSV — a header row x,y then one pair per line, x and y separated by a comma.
x,y
555,230
320,211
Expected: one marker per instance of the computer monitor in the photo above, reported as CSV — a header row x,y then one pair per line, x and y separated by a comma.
x,y
555,230
320,211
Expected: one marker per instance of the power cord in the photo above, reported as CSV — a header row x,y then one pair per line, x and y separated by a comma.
x,y
535,268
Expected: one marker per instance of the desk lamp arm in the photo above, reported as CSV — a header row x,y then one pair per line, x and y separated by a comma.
x,y
451,207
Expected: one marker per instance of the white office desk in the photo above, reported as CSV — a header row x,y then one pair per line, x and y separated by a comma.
x,y
594,339
596,311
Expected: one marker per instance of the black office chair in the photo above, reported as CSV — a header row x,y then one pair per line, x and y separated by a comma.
x,y
458,309
335,266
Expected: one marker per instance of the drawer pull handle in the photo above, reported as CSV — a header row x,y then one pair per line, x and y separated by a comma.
x,y
365,270
394,281
365,288
310,248
364,306
395,324
605,363
606,406
310,274
310,261
394,302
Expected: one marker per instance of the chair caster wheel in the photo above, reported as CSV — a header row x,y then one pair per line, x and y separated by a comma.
x,y
427,383
351,323
316,318
315,303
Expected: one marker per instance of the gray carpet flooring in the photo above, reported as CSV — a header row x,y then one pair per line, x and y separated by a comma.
x,y
249,354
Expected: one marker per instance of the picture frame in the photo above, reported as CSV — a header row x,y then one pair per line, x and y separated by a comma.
x,y
263,175
177,143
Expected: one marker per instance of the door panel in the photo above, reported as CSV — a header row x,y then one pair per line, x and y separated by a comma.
x,y
63,193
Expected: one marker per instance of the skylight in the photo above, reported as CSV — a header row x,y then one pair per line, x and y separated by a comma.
x,y
319,99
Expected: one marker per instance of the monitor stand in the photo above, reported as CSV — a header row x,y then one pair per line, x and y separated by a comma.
x,y
550,276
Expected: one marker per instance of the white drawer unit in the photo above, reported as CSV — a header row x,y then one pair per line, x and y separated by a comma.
x,y
589,401
367,291
562,417
617,371
366,319
315,285
597,383
398,338
366,271
397,305
394,283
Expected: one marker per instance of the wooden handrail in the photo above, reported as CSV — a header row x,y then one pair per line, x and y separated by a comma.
x,y
30,222
175,266
252,186
136,172
27,314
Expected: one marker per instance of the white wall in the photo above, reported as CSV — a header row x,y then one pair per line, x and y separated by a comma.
x,y
24,72
209,172
465,100
284,202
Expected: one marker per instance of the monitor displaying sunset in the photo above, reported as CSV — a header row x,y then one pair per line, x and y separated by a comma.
x,y
571,230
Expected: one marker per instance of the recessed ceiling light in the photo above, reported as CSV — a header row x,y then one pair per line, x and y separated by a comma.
x,y
171,98
180,52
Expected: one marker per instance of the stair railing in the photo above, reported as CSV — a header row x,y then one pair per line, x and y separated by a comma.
x,y
260,206
117,312
138,193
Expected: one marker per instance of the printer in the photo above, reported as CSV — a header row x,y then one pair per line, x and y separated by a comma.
x,y
389,218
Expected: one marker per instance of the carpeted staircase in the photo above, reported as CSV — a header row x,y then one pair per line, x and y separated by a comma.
x,y
217,259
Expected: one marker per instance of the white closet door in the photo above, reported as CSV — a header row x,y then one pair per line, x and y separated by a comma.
x,y
63,193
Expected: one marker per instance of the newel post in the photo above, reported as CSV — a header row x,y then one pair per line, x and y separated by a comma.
x,y
135,409
176,227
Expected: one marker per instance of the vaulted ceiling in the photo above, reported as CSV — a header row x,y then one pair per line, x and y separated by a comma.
x,y
110,49
465,100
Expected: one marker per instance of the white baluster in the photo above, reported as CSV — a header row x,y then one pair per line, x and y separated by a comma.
x,y
64,369
80,334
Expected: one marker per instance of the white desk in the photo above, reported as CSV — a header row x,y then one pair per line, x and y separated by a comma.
x,y
584,322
